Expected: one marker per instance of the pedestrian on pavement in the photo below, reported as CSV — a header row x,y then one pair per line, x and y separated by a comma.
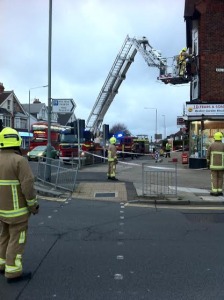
x,y
17,202
215,161
168,148
112,159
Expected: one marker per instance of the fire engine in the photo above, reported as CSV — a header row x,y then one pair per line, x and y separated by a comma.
x,y
127,145
71,148
40,134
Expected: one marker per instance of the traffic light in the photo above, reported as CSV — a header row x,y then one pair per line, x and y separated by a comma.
x,y
105,132
81,127
73,127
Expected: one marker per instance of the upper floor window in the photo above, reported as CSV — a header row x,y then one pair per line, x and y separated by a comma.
x,y
195,49
9,104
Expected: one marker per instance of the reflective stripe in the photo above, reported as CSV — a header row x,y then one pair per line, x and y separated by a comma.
x,y
109,154
31,202
17,267
14,213
15,198
22,237
217,167
17,211
9,182
2,261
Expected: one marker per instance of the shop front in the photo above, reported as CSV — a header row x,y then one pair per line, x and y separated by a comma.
x,y
203,121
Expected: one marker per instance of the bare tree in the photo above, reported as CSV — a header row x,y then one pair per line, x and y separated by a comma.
x,y
119,128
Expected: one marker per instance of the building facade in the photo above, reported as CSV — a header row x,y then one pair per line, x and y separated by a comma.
x,y
205,38
12,113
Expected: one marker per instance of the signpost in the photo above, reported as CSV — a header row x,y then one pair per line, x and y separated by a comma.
x,y
63,106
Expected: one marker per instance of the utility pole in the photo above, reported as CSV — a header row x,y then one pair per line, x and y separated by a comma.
x,y
48,161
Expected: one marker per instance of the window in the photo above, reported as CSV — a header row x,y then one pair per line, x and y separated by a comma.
x,y
6,121
17,123
195,88
9,105
195,38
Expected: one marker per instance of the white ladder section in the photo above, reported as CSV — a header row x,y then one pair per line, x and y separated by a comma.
x,y
118,73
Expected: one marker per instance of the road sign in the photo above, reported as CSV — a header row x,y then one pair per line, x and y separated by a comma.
x,y
63,105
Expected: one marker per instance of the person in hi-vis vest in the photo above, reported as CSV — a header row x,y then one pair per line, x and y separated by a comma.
x,y
17,202
112,159
215,161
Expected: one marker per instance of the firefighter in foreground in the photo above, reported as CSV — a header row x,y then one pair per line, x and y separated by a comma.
x,y
215,160
17,202
112,159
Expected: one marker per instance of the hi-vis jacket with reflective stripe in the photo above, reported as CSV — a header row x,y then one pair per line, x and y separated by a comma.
x,y
215,156
112,152
17,193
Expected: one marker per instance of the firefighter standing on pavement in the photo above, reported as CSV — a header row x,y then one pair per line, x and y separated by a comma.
x,y
17,202
168,149
112,159
215,160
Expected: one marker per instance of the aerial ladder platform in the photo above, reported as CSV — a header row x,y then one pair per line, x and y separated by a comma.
x,y
118,72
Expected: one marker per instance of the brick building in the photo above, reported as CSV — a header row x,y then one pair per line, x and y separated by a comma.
x,y
205,40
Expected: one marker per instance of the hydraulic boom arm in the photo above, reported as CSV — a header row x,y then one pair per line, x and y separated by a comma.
x,y
118,73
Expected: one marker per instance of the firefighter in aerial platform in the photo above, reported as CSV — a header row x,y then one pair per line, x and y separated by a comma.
x,y
17,202
182,61
112,159
215,161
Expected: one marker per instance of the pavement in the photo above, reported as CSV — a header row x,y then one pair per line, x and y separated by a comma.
x,y
193,185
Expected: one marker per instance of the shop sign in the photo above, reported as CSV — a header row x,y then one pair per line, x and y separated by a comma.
x,y
205,109
180,121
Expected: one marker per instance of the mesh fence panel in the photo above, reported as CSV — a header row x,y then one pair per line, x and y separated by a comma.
x,y
51,172
159,180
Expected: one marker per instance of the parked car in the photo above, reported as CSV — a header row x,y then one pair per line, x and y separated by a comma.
x,y
41,151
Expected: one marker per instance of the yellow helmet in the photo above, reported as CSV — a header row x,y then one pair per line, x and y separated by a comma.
x,y
184,49
9,137
218,136
113,140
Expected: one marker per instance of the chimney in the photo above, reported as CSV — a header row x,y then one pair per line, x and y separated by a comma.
x,y
1,88
36,101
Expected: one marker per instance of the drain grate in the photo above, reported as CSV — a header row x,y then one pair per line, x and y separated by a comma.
x,y
106,195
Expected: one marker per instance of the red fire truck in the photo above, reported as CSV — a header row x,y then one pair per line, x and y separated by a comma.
x,y
40,134
69,148
126,145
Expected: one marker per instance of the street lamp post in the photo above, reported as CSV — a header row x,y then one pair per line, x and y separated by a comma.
x,y
33,88
164,124
156,120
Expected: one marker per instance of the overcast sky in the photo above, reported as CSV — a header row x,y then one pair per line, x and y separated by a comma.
x,y
86,38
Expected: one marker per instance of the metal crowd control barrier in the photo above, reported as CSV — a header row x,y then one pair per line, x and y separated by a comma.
x,y
159,180
51,172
